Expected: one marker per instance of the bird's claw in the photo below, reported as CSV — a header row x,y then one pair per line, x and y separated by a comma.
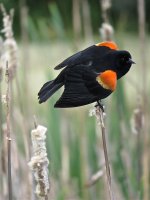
x,y
100,105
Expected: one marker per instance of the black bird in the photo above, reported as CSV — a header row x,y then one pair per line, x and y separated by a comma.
x,y
88,76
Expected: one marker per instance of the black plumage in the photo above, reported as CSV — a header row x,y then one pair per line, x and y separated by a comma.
x,y
79,76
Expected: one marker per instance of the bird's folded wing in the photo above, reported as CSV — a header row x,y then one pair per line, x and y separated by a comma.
x,y
84,57
76,93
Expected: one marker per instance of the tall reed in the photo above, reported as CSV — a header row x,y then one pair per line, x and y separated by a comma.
x,y
144,71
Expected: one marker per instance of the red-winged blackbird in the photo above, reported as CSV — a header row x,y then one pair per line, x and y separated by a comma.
x,y
88,76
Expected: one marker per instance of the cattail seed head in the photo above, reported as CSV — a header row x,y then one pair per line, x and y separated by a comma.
x,y
9,44
39,161
106,31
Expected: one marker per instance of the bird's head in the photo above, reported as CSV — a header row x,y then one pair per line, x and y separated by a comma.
x,y
121,62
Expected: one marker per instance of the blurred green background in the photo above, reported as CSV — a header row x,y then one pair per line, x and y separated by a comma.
x,y
46,33
51,19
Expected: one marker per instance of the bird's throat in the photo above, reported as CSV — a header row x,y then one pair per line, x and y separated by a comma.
x,y
107,79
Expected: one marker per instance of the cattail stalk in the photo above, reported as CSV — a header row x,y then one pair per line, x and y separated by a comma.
x,y
87,21
8,137
76,22
137,130
146,159
106,32
1,120
99,113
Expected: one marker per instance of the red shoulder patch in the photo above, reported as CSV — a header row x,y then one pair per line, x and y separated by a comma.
x,y
109,44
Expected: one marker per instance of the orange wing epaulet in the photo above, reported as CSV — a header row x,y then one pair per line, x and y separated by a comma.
x,y
110,44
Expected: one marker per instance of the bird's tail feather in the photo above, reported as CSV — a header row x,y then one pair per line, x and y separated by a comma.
x,y
48,90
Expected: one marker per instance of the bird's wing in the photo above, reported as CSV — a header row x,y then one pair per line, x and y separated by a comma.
x,y
84,57
69,61
76,93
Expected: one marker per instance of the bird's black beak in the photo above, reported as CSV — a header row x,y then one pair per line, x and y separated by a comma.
x,y
130,61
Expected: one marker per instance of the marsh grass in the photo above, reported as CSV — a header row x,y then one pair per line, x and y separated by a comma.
x,y
73,144
64,138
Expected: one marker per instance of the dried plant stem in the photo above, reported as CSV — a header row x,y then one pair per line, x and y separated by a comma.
x,y
8,137
106,30
77,27
87,21
1,136
1,103
95,177
101,118
105,5
146,160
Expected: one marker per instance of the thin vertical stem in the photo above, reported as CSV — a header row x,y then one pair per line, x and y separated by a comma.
x,y
76,22
87,25
1,136
105,7
100,111
142,36
146,160
8,133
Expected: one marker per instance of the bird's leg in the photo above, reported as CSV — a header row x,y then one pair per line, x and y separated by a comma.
x,y
99,103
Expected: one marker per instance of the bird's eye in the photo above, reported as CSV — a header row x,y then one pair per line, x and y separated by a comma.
x,y
122,59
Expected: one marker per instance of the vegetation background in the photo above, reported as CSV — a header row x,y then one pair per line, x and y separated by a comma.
x,y
47,32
